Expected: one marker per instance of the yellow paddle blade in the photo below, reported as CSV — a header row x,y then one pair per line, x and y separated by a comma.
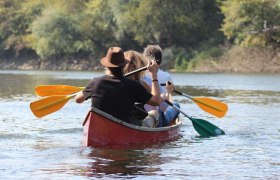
x,y
51,90
211,106
48,105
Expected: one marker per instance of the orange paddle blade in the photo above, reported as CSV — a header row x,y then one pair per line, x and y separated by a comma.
x,y
51,90
211,106
49,105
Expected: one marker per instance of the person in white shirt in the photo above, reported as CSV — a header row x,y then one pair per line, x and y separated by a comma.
x,y
167,113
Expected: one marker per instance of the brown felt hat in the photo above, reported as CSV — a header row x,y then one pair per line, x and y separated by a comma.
x,y
114,58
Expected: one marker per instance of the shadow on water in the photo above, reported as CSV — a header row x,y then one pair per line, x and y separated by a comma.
x,y
116,163
129,162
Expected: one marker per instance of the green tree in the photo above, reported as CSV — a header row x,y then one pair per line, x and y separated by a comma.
x,y
16,17
67,27
55,33
252,23
98,25
181,23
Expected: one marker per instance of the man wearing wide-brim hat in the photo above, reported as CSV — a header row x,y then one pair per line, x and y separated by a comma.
x,y
115,94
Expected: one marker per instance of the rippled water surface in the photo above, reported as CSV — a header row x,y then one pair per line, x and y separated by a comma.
x,y
51,148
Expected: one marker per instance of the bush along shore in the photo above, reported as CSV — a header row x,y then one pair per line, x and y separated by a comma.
x,y
234,59
54,63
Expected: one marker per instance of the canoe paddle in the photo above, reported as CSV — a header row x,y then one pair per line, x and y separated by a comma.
x,y
212,106
203,127
48,105
207,104
53,90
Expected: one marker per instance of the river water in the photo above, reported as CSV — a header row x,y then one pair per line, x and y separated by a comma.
x,y
51,147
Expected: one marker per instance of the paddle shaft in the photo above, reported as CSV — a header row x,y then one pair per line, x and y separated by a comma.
x,y
175,107
178,92
183,94
51,104
203,127
136,71
209,105
126,75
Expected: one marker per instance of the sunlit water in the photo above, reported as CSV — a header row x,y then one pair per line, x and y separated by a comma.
x,y
51,148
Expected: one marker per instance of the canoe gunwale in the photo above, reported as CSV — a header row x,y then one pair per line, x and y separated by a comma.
x,y
109,117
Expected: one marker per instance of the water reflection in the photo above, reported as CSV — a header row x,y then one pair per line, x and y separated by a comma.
x,y
128,163
240,96
51,147
14,85
200,91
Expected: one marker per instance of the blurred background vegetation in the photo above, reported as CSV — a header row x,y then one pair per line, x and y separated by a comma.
x,y
189,31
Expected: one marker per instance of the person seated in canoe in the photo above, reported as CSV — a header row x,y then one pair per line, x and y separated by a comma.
x,y
167,113
115,94
137,60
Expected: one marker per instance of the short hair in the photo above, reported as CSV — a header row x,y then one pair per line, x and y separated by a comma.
x,y
154,52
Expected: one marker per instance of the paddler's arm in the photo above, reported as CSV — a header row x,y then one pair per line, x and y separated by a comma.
x,y
84,94
167,96
80,98
155,100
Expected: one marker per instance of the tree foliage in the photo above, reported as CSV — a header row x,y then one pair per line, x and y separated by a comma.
x,y
54,33
15,19
183,27
99,25
252,23
181,23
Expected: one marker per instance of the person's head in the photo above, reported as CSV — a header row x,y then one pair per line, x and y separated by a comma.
x,y
153,52
137,61
115,61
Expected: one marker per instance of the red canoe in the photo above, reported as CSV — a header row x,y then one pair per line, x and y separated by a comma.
x,y
102,129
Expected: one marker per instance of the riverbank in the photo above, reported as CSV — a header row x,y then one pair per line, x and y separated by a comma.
x,y
56,63
240,59
234,59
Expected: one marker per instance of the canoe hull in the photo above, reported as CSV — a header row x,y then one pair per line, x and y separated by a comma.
x,y
101,129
